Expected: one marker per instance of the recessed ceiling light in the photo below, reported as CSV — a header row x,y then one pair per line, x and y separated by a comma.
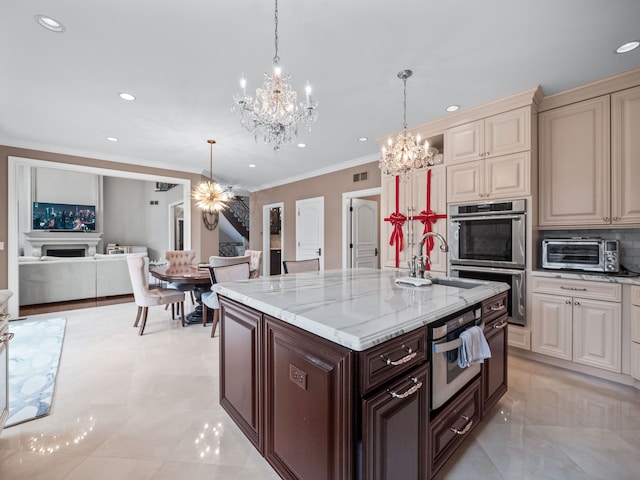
x,y
362,139
112,139
49,23
302,145
127,96
627,47
452,108
251,165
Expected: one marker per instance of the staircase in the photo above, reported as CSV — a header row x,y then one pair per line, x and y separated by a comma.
x,y
238,215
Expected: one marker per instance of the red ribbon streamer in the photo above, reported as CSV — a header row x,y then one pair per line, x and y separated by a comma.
x,y
397,219
428,217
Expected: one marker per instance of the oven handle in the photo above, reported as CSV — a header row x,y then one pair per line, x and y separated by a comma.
x,y
464,268
487,217
447,346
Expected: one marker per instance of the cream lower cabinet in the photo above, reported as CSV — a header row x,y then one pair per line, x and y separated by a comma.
x,y
498,177
578,321
635,332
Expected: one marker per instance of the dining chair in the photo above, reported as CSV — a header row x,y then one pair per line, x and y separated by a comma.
x,y
217,261
255,263
181,257
146,298
298,266
221,274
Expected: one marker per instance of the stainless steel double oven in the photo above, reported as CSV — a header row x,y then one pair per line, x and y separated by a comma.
x,y
488,242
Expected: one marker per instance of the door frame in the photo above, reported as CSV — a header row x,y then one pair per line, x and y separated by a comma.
x,y
346,224
172,223
266,235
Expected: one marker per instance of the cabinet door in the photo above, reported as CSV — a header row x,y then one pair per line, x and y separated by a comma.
x,y
508,176
625,157
438,206
4,374
635,360
394,195
464,142
597,337
635,323
551,325
494,369
241,368
465,181
574,164
509,132
309,401
395,429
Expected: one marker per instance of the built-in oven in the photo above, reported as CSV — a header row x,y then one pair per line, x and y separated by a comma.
x,y
516,297
447,376
490,234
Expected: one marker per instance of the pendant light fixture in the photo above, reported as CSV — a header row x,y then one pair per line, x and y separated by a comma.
x,y
209,196
275,114
406,153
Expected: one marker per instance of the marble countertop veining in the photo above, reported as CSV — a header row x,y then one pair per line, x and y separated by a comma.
x,y
592,276
355,308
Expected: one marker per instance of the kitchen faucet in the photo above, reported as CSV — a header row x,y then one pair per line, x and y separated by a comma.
x,y
417,266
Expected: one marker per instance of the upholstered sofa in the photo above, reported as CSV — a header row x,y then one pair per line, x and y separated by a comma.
x,y
59,279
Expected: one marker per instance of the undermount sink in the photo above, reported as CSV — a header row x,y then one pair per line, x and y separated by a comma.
x,y
455,282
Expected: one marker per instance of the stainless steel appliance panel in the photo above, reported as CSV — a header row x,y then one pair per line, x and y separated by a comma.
x,y
586,254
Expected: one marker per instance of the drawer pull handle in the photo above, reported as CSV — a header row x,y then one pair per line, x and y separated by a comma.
x,y
411,355
497,308
6,337
466,428
575,289
417,385
500,325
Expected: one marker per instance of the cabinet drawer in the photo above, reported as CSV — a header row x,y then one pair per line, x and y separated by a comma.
x,y
611,292
453,424
494,307
635,295
635,323
383,362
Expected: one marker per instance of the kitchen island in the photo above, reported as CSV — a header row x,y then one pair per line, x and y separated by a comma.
x,y
327,373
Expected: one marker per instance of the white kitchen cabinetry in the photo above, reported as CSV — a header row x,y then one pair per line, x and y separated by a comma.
x,y
625,157
501,134
5,336
589,162
505,176
577,320
411,199
635,332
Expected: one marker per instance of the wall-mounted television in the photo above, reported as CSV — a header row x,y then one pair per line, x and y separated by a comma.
x,y
62,216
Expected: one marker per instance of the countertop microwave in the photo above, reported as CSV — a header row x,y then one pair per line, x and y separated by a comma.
x,y
585,254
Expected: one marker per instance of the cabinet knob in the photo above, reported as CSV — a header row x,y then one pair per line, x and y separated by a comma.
x,y
567,302
615,219
577,303
606,219
487,154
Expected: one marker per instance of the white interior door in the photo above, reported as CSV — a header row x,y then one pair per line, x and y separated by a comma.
x,y
364,233
310,229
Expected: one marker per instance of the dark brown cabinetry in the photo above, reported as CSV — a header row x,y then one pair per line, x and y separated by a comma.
x,y
308,404
395,429
494,369
241,368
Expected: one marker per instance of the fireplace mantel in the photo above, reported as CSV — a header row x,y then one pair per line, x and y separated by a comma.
x,y
35,240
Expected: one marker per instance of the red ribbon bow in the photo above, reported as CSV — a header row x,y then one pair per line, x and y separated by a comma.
x,y
397,219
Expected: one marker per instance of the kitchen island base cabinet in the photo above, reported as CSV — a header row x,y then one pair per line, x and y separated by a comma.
x,y
241,367
494,369
308,404
452,425
395,425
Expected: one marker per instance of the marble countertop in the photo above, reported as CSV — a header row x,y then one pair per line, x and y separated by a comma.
x,y
592,276
355,308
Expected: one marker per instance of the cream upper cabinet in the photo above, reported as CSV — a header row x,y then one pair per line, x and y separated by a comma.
x,y
574,172
625,157
409,196
577,321
501,134
492,178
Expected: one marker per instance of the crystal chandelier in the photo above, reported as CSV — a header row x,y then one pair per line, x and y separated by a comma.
x,y
209,196
274,114
406,153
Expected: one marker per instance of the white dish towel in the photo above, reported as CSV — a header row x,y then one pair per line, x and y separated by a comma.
x,y
474,347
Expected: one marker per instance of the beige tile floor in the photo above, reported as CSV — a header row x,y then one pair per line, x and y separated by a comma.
x,y
130,407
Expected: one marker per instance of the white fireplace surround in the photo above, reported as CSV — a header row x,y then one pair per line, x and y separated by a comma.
x,y
36,242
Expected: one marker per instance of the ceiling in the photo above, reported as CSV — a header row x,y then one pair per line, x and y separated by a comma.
x,y
59,92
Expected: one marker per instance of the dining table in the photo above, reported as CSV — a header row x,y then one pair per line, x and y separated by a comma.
x,y
195,275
